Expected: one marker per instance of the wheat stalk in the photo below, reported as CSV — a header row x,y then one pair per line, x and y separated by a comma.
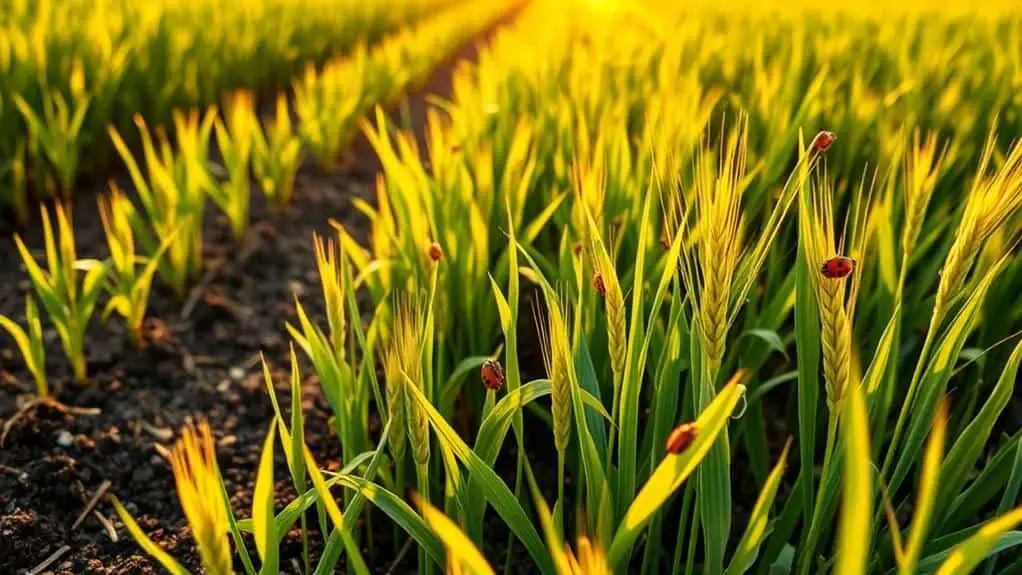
x,y
328,264
590,189
835,303
835,340
992,201
923,168
406,347
713,309
710,264
615,309
397,441
820,241
418,424
556,352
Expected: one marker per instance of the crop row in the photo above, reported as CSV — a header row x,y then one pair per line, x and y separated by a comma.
x,y
71,68
161,236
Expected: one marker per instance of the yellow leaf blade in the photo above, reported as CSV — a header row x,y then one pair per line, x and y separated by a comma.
x,y
855,534
460,549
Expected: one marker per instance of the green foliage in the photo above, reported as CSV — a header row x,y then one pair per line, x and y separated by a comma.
x,y
69,301
644,170
235,140
595,149
128,286
276,154
69,69
173,194
30,343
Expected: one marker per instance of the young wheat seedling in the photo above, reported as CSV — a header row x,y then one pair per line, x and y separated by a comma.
x,y
129,288
276,155
235,140
30,343
329,264
200,491
197,476
68,303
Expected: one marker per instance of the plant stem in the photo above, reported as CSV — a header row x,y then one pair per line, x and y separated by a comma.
x,y
909,397
886,392
80,371
812,539
693,537
422,472
678,544
511,536
488,404
305,545
559,519
651,554
399,489
42,388
135,335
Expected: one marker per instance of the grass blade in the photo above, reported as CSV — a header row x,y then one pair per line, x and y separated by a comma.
x,y
967,555
147,544
926,500
856,509
748,547
673,471
460,548
263,521
495,490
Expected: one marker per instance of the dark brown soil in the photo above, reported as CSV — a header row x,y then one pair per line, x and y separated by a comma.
x,y
53,459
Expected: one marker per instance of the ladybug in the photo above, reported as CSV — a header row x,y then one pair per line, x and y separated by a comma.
x,y
492,374
823,140
681,438
599,285
837,267
435,252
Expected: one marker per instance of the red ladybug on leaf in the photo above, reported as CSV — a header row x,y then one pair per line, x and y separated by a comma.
x,y
824,140
492,374
837,267
435,252
681,438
